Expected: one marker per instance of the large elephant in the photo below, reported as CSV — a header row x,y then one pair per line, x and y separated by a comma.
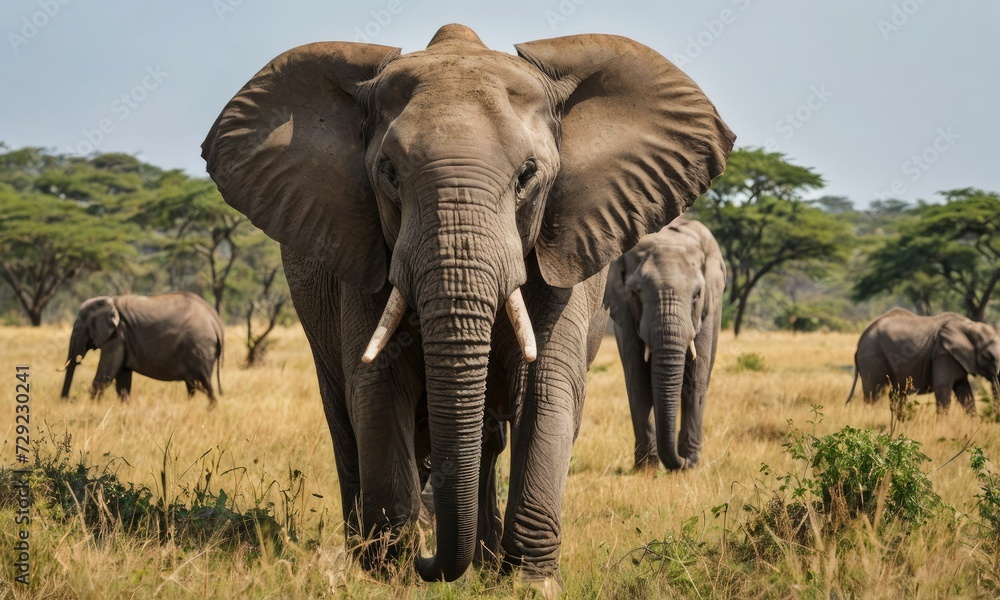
x,y
936,353
445,185
665,296
175,336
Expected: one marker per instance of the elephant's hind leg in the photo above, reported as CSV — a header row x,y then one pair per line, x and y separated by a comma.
x,y
963,391
205,382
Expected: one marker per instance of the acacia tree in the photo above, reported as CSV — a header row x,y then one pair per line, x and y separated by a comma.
x,y
756,211
61,217
46,242
949,249
197,229
263,291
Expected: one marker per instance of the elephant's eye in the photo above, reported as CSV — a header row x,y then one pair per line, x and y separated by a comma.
x,y
525,177
389,176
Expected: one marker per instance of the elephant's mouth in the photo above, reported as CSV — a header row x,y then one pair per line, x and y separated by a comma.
x,y
395,308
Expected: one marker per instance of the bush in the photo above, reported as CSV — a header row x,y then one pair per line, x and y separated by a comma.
x,y
750,361
868,473
988,522
62,490
844,476
811,317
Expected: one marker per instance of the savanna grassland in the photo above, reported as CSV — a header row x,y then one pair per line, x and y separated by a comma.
x,y
626,534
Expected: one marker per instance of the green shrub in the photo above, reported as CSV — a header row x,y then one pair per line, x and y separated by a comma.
x,y
750,361
988,522
63,489
811,317
869,473
843,476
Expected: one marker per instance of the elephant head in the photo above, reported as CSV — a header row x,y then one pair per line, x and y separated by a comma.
x,y
975,346
441,171
665,289
95,327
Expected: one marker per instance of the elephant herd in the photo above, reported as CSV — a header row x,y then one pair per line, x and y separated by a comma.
x,y
419,196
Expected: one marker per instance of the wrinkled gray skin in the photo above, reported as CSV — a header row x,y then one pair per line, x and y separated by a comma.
x,y
458,175
175,336
938,353
665,294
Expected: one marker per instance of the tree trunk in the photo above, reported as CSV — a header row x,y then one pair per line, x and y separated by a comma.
x,y
741,305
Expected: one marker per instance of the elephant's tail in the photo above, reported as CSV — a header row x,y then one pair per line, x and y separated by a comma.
x,y
854,384
218,363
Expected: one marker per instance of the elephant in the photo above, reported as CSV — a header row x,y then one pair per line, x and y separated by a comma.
x,y
936,353
174,336
665,298
417,196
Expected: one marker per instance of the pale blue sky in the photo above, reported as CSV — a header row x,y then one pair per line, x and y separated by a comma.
x,y
854,88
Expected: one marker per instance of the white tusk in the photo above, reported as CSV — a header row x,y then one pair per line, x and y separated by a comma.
x,y
76,360
645,355
518,314
391,316
694,351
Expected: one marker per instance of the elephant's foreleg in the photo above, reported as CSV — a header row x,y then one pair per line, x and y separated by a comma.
x,y
123,384
942,395
693,393
697,375
315,294
549,395
382,400
490,527
638,386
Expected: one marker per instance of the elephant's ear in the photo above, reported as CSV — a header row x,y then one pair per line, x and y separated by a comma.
x,y
715,264
615,298
640,142
956,341
287,152
101,324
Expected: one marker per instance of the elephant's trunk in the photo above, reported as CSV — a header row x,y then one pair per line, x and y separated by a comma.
x,y
667,372
457,259
77,349
456,332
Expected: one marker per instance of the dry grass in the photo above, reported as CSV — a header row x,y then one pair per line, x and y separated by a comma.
x,y
270,420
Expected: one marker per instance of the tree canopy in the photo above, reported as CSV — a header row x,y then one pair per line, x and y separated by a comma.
x,y
948,249
60,218
75,227
758,215
67,220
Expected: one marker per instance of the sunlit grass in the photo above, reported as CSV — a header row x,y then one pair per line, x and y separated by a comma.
x,y
270,420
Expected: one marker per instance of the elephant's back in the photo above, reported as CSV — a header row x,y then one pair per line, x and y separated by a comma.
x,y
899,343
171,334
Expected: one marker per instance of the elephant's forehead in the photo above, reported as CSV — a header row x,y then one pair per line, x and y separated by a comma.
x,y
484,77
95,302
